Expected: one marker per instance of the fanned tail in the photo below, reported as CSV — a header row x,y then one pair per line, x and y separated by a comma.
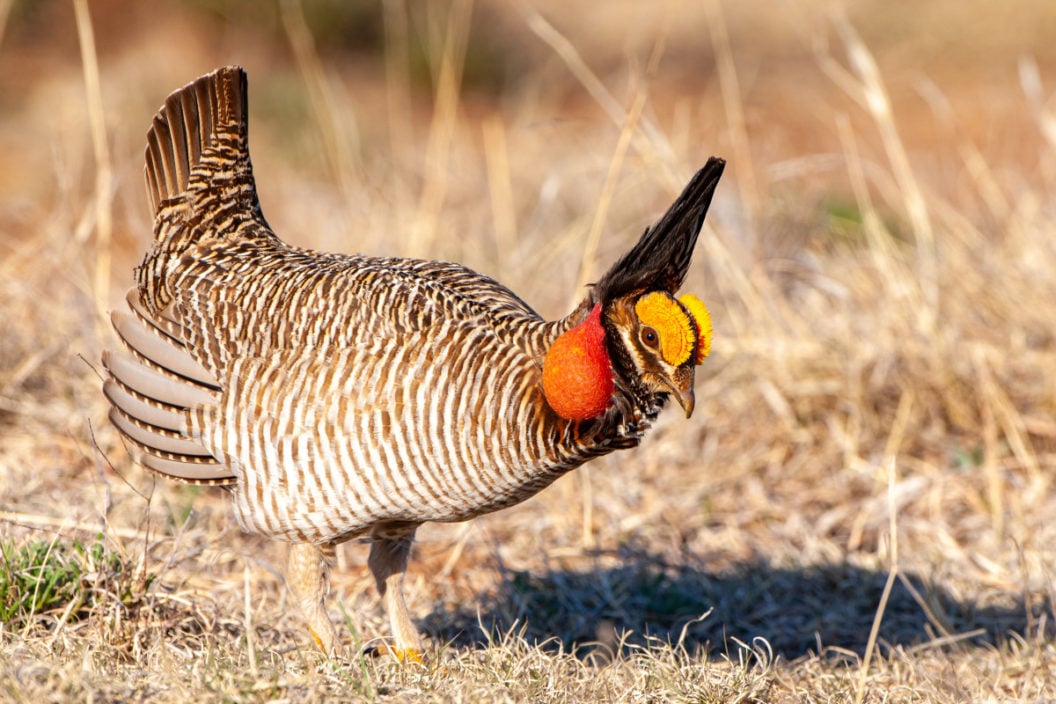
x,y
201,116
199,180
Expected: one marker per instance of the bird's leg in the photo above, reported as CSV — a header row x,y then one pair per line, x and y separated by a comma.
x,y
389,550
308,577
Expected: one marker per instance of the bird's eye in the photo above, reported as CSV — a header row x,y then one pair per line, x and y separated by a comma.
x,y
649,336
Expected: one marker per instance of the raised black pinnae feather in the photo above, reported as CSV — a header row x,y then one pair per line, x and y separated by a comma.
x,y
660,260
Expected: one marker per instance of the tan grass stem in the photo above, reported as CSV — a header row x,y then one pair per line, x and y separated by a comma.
x,y
995,486
894,441
251,641
500,191
866,87
1030,82
62,524
655,146
608,188
442,127
5,12
398,76
333,120
101,150
734,108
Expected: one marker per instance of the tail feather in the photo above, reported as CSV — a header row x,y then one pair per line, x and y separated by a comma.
x,y
163,323
191,470
193,120
167,454
660,259
136,405
152,389
152,438
154,383
159,349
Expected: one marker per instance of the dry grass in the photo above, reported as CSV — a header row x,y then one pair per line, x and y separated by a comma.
x,y
858,511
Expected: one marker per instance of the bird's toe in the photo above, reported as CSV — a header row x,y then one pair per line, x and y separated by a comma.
x,y
404,656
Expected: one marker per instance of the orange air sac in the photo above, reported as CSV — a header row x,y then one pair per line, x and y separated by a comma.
x,y
577,373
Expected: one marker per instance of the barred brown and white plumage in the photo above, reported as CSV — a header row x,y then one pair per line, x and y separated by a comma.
x,y
340,396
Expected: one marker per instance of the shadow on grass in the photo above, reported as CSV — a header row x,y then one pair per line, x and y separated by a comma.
x,y
795,610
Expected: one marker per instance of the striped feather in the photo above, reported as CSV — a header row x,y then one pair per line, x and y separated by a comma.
x,y
190,122
189,469
153,438
151,389
160,349
144,408
162,322
155,384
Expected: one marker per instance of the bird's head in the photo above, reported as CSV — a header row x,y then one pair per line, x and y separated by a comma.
x,y
638,335
661,340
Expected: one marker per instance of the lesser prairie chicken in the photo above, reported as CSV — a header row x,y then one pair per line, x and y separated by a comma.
x,y
342,396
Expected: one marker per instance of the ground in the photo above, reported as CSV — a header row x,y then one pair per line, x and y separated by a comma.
x,y
859,508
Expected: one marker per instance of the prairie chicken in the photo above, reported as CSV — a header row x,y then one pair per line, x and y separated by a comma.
x,y
346,396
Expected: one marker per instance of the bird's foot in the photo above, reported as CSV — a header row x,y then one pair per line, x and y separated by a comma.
x,y
404,656
324,642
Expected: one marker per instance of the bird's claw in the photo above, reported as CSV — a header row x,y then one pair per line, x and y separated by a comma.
x,y
404,656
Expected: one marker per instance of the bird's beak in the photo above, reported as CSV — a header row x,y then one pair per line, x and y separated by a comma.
x,y
687,400
681,385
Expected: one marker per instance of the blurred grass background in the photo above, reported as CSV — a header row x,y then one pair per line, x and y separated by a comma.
x,y
875,435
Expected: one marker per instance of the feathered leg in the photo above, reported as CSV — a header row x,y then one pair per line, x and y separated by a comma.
x,y
308,578
389,549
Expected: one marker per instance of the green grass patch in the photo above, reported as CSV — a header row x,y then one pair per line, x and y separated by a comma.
x,y
42,577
